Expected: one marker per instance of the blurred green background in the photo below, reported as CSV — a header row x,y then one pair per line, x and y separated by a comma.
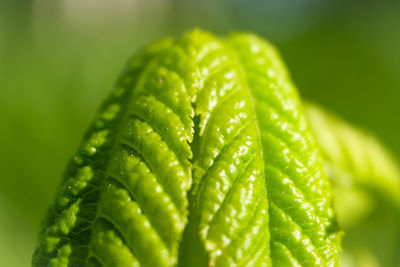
x,y
58,59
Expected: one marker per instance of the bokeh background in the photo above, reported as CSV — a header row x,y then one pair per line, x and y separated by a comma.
x,y
59,58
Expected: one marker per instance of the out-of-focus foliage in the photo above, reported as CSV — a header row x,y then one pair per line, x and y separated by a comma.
x,y
59,58
366,182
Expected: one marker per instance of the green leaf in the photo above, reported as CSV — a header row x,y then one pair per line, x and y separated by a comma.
x,y
302,223
200,156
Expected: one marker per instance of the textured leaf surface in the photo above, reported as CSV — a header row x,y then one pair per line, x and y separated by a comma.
x,y
302,224
200,156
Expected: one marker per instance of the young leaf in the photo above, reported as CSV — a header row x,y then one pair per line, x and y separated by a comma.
x,y
302,223
200,156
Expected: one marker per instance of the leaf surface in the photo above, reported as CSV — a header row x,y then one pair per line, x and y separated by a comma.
x,y
200,156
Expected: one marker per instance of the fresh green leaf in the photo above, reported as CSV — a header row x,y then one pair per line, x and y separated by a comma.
x,y
200,156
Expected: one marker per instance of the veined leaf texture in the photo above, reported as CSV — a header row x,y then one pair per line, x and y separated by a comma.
x,y
201,156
